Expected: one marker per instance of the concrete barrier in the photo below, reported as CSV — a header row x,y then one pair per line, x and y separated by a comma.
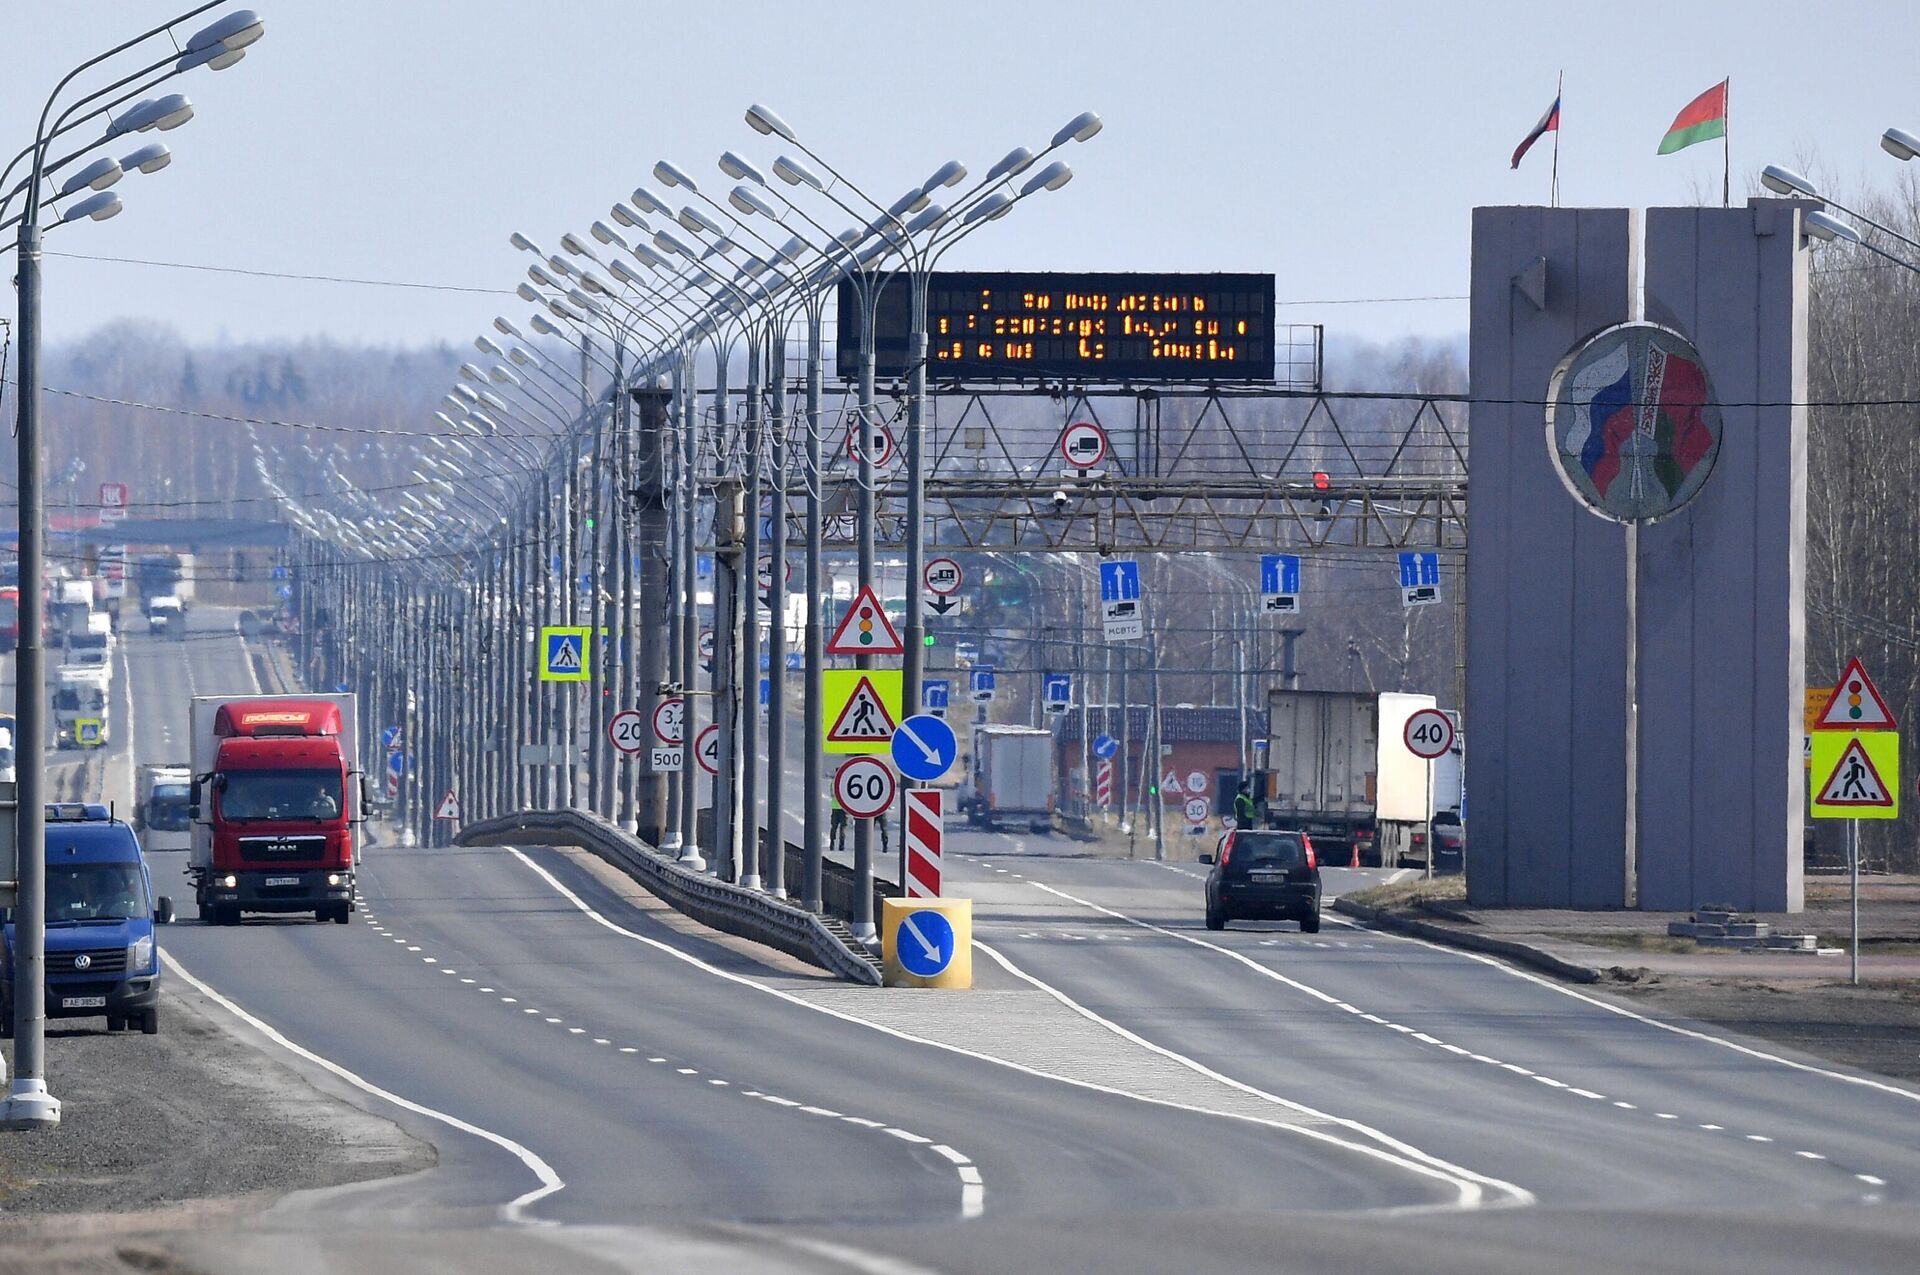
x,y
730,908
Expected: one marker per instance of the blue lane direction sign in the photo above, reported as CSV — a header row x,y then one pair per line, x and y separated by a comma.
x,y
1419,579
1122,609
1279,583
1056,692
1105,746
980,684
390,739
935,693
924,944
924,747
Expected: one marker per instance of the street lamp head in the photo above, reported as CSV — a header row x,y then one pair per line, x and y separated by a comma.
x,y
500,374
1052,177
1078,129
522,357
794,173
1012,164
494,401
504,326
669,174
525,244
467,394
214,57
1826,228
473,373
628,217
748,201
150,158
168,113
577,246
648,256
794,249
647,201
951,173
739,169
563,267
1784,181
913,201
1899,143
527,292
485,344
931,218
696,221
97,207
538,273
607,234
993,206
626,273
585,302
764,122
671,242
594,283
231,31
98,175
544,326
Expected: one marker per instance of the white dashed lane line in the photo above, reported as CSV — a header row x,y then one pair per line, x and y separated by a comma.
x,y
972,1185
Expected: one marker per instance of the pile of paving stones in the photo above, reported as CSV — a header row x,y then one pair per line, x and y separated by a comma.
x,y
1716,926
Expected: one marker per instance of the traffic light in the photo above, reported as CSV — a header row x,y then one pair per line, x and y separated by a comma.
x,y
1320,480
927,640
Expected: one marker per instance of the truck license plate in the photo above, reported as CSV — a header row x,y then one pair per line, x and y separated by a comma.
x,y
83,1002
283,880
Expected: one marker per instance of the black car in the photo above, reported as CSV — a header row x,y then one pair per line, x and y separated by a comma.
x,y
1264,875
1449,843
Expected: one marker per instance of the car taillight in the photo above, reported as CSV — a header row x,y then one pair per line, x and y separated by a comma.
x,y
1226,849
1306,843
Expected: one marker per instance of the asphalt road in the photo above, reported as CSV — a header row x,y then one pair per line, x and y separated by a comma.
x,y
1124,1091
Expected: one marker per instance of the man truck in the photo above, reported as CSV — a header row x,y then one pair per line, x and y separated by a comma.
x,y
278,805
1338,769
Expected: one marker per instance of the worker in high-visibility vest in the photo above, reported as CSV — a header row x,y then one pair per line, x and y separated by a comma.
x,y
837,827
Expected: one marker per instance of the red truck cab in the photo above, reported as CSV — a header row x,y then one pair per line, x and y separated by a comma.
x,y
276,806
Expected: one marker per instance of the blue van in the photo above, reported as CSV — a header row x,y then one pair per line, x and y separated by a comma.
x,y
101,910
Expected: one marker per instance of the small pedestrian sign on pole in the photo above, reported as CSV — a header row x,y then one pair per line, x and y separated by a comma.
x,y
1419,579
563,653
1279,583
1122,616
861,709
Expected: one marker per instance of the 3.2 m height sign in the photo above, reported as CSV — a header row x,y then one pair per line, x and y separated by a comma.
x,y
1122,609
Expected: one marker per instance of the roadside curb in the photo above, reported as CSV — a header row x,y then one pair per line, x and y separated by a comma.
x,y
1524,953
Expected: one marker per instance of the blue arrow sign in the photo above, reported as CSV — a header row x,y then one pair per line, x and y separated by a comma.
x,y
1056,688
390,738
934,693
924,747
1105,746
1119,581
924,943
1279,573
980,683
1418,570
796,661
342,688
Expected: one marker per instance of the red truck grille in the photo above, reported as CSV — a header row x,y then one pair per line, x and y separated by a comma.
x,y
281,849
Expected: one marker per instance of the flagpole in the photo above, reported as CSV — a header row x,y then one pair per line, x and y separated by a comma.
x,y
1726,150
1553,183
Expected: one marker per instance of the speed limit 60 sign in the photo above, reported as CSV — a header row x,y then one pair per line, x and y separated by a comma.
x,y
864,787
1429,733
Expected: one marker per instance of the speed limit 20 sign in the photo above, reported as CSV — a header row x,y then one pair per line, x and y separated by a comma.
x,y
864,787
1429,733
627,731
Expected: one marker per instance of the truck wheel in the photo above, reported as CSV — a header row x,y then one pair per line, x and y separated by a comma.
x,y
341,913
150,1022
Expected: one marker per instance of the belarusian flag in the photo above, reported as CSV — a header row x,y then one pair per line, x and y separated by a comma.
x,y
1704,118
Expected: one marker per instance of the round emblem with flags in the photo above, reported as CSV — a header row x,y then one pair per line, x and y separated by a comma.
x,y
1632,422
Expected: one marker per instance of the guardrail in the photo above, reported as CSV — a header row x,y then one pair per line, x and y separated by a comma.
x,y
733,909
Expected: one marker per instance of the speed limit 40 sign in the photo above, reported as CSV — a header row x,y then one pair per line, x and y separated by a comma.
x,y
1429,733
864,787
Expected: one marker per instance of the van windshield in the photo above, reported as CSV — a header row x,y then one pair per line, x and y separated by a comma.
x,y
95,892
280,794
167,808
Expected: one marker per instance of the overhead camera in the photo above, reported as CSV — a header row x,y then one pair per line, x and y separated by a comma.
x,y
1061,501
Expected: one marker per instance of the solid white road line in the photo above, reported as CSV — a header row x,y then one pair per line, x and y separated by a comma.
x,y
513,1211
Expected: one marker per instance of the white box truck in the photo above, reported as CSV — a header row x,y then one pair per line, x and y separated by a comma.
x,y
162,802
1011,779
1338,769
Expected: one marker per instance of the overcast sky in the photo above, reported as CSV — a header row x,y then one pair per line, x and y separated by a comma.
x,y
1341,146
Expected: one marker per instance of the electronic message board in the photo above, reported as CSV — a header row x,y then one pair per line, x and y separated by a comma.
x,y
1107,327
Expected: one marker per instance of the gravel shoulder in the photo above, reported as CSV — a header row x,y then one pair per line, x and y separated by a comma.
x,y
189,1129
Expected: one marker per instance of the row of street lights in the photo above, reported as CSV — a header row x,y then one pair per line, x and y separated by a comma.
x,y
673,282
126,107
1827,228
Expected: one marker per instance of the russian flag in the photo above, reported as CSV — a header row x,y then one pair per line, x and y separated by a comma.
x,y
1549,123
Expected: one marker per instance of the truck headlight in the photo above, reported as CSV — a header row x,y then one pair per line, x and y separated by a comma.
x,y
140,955
333,878
231,881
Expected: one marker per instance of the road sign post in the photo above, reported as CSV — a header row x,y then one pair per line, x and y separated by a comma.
x,y
1122,614
1855,745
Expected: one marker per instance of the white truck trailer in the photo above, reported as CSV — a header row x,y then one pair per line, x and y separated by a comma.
x,y
1011,781
1338,769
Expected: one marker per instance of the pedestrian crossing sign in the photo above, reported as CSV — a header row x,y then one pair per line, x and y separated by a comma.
x,y
1858,775
862,707
563,653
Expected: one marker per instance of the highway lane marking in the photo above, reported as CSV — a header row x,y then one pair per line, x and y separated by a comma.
x,y
1468,1184
1324,997
512,1211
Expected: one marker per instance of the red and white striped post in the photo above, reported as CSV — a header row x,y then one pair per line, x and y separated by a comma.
x,y
924,835
1103,784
